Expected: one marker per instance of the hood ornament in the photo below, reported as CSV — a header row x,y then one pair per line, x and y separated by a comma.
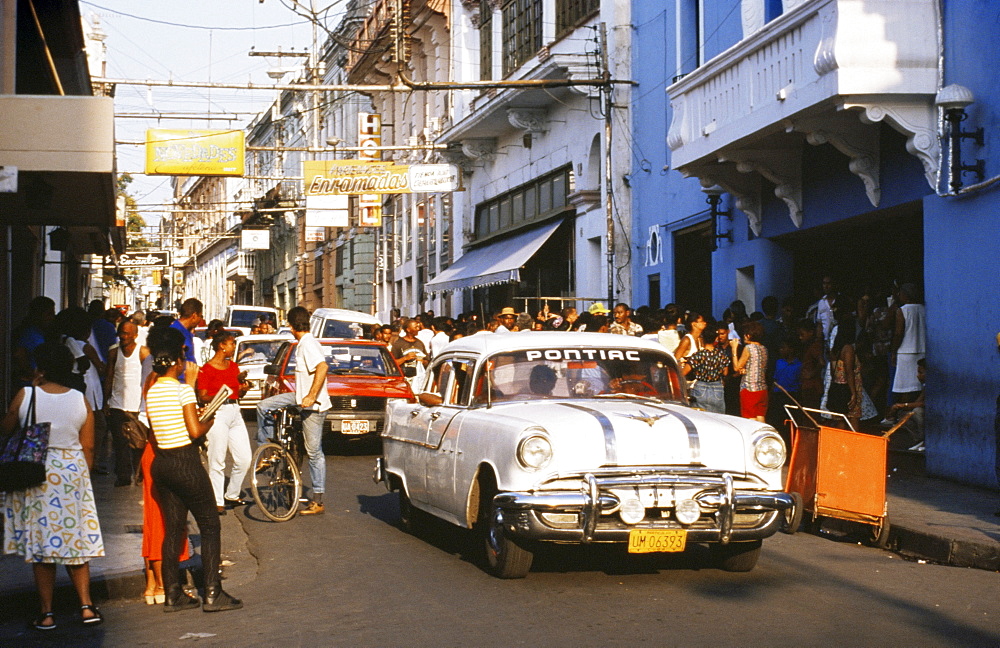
x,y
645,418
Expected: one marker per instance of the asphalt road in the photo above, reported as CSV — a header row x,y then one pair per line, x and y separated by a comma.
x,y
351,578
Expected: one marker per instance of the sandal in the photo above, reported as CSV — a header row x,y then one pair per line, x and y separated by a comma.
x,y
39,622
97,617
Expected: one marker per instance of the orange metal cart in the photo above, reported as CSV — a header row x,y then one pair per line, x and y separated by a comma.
x,y
838,473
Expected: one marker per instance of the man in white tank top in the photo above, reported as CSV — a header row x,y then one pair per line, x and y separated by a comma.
x,y
123,394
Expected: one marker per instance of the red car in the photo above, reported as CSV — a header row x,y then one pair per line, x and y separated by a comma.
x,y
361,377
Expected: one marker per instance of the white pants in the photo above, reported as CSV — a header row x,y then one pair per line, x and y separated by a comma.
x,y
229,432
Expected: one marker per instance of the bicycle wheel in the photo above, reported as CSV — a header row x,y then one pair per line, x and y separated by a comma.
x,y
276,484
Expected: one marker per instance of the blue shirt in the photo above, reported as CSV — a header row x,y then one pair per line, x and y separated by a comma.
x,y
787,374
106,336
188,344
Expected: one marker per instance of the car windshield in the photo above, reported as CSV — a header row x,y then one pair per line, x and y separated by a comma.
x,y
257,352
355,360
250,318
579,373
342,329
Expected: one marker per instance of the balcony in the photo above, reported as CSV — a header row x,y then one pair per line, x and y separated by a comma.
x,y
824,72
241,265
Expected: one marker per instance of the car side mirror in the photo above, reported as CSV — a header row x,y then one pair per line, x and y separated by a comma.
x,y
271,370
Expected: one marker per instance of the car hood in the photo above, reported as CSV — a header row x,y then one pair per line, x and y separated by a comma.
x,y
598,432
389,387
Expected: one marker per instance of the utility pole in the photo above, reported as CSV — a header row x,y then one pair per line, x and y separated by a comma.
x,y
609,206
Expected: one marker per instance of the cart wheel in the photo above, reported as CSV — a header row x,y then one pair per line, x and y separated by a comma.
x,y
878,534
793,516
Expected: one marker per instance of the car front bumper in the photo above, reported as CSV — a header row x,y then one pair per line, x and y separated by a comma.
x,y
727,513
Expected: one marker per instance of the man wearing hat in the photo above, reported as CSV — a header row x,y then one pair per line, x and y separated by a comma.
x,y
507,318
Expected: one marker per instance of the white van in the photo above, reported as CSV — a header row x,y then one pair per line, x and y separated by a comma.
x,y
341,323
245,317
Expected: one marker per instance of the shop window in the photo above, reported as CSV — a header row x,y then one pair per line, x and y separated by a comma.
x,y
530,202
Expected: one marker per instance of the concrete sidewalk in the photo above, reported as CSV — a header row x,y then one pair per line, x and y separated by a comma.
x,y
930,518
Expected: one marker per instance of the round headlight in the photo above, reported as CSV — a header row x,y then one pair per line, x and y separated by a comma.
x,y
632,511
687,511
769,452
534,451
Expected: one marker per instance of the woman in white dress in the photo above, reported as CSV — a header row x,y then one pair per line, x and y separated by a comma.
x,y
56,523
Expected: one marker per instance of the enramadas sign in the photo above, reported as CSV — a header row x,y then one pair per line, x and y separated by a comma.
x,y
144,259
346,177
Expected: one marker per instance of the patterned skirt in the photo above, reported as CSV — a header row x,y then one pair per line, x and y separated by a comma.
x,y
57,521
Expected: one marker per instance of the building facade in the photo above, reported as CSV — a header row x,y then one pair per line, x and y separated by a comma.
x,y
817,124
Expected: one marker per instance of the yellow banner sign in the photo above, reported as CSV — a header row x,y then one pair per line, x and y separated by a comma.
x,y
195,152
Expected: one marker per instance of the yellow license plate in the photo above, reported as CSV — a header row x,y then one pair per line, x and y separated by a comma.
x,y
656,540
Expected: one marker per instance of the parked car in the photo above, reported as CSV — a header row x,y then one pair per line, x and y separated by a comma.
x,y
362,377
578,438
253,353
341,323
246,317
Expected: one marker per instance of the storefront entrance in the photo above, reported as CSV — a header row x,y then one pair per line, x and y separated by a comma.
x,y
864,254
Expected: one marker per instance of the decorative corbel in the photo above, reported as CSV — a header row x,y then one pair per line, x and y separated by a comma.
x,y
860,143
530,120
480,148
917,121
782,166
675,134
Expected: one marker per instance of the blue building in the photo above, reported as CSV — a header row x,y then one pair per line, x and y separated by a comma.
x,y
819,129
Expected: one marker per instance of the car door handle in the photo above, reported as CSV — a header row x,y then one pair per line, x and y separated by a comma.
x,y
435,416
414,413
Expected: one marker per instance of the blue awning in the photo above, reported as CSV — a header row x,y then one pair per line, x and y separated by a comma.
x,y
496,263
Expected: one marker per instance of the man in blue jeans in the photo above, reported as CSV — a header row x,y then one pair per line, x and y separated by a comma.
x,y
312,396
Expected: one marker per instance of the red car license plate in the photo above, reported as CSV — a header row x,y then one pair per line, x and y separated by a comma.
x,y
354,427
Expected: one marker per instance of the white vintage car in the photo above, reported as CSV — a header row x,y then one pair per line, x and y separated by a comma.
x,y
578,438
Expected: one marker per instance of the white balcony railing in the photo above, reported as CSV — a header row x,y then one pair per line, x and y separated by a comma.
x,y
241,265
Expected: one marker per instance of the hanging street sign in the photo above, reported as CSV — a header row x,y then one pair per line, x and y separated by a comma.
x,y
142,259
356,177
195,152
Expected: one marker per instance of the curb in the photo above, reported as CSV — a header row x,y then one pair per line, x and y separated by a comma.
x,y
944,550
23,603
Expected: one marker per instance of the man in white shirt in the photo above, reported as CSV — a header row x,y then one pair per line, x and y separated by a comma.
x,y
312,396
441,328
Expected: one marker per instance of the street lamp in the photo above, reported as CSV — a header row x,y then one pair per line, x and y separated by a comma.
x,y
953,99
714,197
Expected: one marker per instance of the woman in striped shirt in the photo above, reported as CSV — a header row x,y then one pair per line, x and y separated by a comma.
x,y
181,479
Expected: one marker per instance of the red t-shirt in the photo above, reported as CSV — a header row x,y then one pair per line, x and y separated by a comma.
x,y
211,379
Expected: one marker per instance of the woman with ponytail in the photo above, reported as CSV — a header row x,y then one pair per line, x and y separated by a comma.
x,y
180,478
152,514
